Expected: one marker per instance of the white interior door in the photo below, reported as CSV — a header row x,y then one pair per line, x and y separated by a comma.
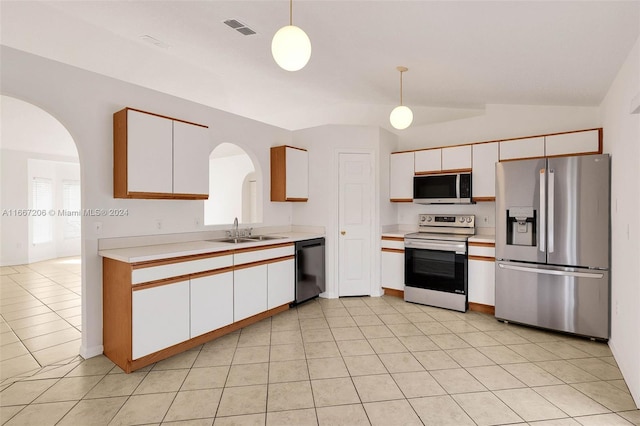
x,y
355,221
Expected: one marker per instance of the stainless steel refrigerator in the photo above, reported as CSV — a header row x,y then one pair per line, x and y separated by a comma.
x,y
552,243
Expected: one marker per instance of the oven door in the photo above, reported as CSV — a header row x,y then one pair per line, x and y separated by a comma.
x,y
435,265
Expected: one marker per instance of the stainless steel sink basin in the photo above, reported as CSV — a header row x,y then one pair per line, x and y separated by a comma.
x,y
265,237
234,240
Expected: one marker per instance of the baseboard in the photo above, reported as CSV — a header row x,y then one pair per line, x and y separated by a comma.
x,y
393,292
87,353
485,309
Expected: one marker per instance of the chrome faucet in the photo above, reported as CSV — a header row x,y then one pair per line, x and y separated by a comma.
x,y
235,227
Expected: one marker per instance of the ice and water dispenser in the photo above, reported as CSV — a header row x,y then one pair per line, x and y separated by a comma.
x,y
521,226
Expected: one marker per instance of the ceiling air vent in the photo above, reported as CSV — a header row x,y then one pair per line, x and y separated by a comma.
x,y
239,26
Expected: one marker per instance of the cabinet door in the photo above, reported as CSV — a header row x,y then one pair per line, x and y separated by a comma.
x,y
482,282
573,143
190,159
401,176
392,270
281,283
429,160
297,173
456,158
160,318
522,148
249,291
149,153
485,156
211,302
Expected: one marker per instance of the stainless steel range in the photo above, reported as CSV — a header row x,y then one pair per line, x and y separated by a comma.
x,y
435,265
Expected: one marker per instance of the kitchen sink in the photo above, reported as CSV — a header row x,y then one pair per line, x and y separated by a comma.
x,y
265,237
234,240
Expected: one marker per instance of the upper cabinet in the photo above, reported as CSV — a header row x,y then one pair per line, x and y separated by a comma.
x,y
428,161
485,156
158,157
522,148
587,142
289,174
401,177
450,159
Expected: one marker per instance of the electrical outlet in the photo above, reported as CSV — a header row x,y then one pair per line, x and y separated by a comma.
x,y
158,223
98,227
485,219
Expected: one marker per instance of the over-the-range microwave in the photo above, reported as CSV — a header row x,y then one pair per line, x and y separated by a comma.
x,y
444,188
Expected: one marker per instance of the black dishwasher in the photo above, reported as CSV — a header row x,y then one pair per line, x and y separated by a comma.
x,y
310,274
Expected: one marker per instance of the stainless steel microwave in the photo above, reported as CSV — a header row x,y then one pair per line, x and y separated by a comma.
x,y
445,188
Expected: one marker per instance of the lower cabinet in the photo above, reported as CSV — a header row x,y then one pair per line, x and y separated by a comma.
x,y
392,263
160,317
211,302
249,291
280,283
482,275
153,310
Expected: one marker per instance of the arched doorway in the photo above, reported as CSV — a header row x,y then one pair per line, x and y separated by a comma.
x,y
40,238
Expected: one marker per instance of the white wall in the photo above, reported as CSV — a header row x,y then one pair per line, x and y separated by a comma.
x,y
84,102
323,144
622,140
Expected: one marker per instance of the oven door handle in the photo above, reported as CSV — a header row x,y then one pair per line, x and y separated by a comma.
x,y
459,248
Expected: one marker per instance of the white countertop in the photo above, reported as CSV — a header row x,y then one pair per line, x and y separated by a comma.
x,y
480,238
166,251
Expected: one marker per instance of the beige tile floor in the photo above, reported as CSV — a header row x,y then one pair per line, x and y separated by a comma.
x,y
39,315
350,361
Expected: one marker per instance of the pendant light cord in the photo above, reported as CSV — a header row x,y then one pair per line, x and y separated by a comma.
x,y
290,12
400,87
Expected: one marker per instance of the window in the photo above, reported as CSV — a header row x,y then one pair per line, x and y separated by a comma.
x,y
71,206
42,200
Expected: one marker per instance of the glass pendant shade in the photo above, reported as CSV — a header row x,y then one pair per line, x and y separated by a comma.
x,y
401,117
291,48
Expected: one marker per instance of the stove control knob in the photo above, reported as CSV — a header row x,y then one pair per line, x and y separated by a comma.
x,y
469,220
461,219
429,218
422,218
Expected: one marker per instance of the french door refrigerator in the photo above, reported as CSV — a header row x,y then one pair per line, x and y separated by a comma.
x,y
552,243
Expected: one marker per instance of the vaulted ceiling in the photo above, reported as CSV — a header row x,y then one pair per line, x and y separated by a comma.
x,y
461,55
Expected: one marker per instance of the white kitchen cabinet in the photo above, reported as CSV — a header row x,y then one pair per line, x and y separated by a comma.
x,y
157,157
401,176
392,263
522,148
190,158
148,136
428,160
250,291
482,274
456,158
289,174
211,302
280,283
485,156
160,317
585,142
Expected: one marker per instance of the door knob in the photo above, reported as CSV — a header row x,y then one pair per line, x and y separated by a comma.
x,y
343,232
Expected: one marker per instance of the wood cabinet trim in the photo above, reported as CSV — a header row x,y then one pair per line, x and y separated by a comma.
x,y
295,147
481,244
485,309
482,258
180,259
521,158
163,196
117,311
165,116
160,283
258,248
263,262
401,200
297,200
393,292
442,172
483,199
392,238
392,250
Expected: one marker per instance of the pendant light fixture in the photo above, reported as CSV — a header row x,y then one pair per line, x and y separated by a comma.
x,y
291,47
401,116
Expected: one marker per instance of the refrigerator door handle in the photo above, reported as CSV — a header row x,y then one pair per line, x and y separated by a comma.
x,y
550,219
552,271
543,212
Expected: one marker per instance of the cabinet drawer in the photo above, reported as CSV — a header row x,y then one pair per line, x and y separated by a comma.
x,y
153,273
482,251
257,255
392,243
